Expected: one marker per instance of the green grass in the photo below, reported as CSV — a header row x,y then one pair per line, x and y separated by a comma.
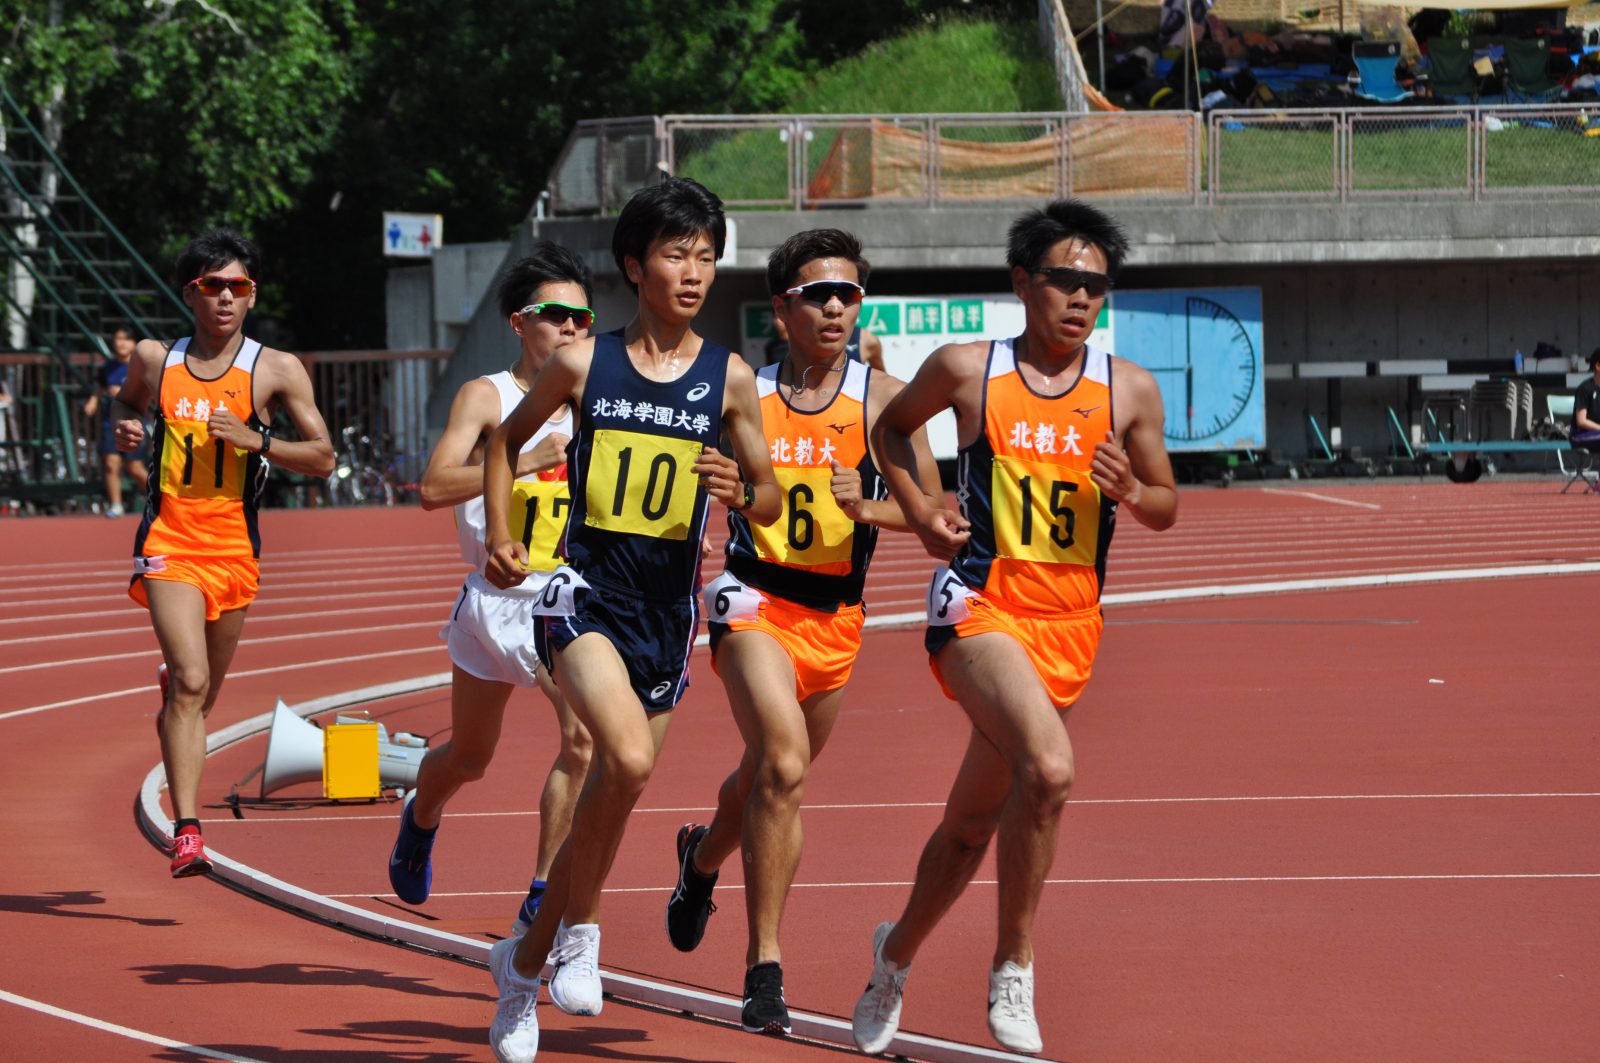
x,y
960,66
1288,160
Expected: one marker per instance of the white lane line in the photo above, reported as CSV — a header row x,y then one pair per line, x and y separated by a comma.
x,y
152,651
878,806
296,666
256,620
121,1031
1169,880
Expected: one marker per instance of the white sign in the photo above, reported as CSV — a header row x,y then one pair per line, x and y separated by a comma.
x,y
911,327
412,235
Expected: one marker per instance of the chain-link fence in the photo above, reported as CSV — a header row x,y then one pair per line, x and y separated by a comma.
x,y
604,162
1539,150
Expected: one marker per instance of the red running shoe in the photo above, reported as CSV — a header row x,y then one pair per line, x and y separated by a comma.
x,y
189,854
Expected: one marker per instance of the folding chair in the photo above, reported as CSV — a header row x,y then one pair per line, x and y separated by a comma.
x,y
1581,458
1528,77
1450,73
1374,78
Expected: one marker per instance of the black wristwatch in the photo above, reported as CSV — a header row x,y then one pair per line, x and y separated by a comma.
x,y
749,496
266,440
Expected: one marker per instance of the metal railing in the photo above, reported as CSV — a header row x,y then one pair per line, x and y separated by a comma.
x,y
801,162
1470,153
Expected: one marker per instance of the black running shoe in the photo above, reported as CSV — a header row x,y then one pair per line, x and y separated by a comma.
x,y
764,1008
690,904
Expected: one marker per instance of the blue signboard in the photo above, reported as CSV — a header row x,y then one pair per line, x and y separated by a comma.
x,y
1203,345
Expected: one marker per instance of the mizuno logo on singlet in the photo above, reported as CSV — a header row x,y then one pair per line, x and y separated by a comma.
x,y
698,392
841,427
1081,412
231,394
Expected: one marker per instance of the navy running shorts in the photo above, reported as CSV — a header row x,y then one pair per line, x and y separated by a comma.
x,y
653,638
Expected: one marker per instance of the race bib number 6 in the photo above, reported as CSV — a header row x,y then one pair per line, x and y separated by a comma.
x,y
813,530
641,484
727,598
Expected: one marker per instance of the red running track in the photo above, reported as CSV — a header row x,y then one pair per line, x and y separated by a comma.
x,y
1346,824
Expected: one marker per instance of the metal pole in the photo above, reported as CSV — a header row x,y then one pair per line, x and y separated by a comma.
x,y
1100,30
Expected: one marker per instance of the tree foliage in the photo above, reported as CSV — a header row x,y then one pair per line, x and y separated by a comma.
x,y
301,121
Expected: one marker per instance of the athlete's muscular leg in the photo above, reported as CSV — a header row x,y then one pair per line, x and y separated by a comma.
x,y
1017,773
565,781
477,709
782,738
197,655
626,740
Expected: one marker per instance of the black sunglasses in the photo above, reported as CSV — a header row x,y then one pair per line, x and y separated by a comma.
x,y
1069,280
558,313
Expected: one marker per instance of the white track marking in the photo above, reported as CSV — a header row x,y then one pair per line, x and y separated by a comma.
x,y
148,652
121,1031
150,688
1319,498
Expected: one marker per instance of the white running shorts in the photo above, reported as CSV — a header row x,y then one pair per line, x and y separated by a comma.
x,y
490,633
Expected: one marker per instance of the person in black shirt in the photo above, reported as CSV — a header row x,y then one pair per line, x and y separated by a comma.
x,y
1586,407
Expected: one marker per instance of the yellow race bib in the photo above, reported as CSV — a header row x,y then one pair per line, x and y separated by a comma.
x,y
641,484
537,517
812,530
193,465
1044,512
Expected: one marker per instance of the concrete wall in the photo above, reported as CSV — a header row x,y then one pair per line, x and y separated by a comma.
x,y
1353,282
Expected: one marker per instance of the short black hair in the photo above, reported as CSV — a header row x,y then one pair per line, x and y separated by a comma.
x,y
123,326
1594,357
213,249
671,208
547,263
1037,231
789,257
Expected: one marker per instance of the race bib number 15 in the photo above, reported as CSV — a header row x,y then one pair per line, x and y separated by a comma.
x,y
641,484
1045,513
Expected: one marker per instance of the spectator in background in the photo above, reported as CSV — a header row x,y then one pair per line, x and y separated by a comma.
x,y
1586,407
113,375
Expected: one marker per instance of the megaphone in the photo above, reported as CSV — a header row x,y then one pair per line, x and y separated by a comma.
x,y
296,750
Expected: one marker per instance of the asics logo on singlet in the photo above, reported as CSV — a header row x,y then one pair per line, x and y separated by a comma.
x,y
841,427
1081,412
698,392
659,691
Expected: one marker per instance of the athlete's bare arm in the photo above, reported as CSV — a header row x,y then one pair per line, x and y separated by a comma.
x,y
872,350
560,382
455,473
128,406
952,377
285,383
1137,474
886,513
741,415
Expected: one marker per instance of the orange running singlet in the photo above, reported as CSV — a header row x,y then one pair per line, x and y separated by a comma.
x,y
1040,527
204,493
812,554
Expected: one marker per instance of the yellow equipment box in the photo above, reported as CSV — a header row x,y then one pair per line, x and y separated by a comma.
x,y
350,761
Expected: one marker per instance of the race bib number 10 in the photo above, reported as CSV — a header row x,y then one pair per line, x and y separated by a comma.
x,y
641,484
1045,513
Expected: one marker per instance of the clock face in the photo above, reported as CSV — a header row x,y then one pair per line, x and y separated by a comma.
x,y
1210,388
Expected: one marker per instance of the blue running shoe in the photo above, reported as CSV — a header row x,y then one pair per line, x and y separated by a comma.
x,y
410,864
529,909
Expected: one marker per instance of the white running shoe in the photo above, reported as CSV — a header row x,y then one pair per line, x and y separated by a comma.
x,y
575,984
514,1034
1011,1008
877,1016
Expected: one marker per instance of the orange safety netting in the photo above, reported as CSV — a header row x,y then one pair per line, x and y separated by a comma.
x,y
1110,155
